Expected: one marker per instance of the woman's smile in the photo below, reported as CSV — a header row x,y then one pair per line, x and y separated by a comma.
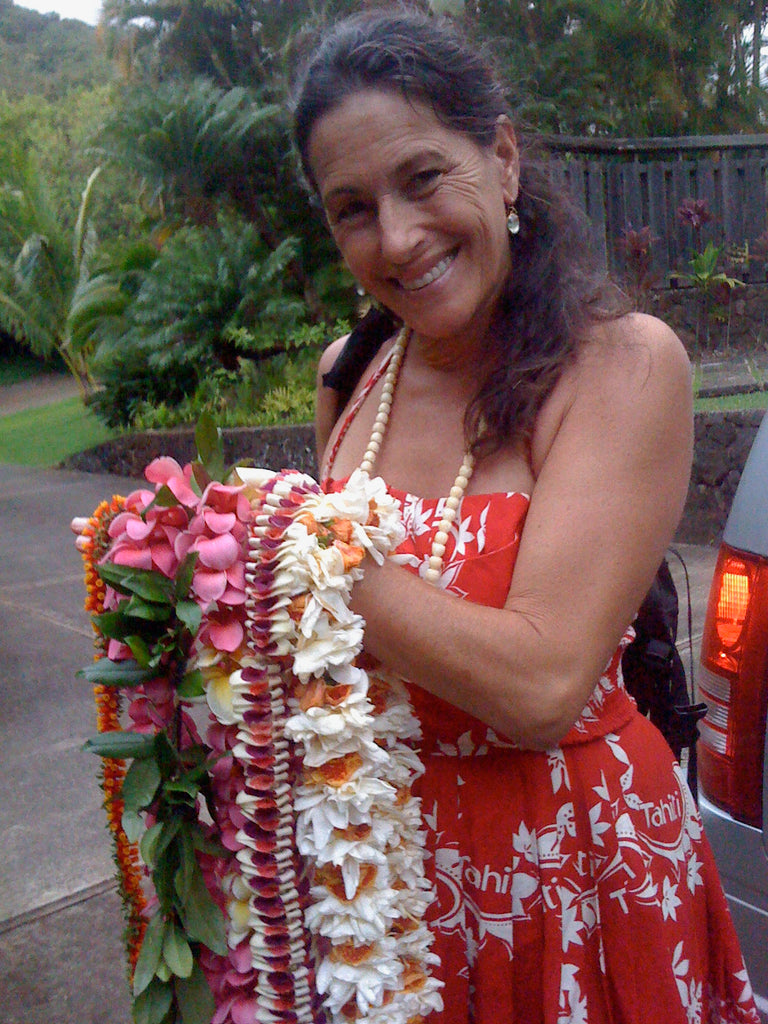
x,y
435,274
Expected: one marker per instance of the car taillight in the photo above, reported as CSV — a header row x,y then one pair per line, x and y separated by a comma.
x,y
733,682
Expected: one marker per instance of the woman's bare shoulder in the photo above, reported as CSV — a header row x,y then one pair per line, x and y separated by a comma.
x,y
329,356
635,366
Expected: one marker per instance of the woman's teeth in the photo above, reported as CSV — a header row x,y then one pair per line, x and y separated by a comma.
x,y
431,275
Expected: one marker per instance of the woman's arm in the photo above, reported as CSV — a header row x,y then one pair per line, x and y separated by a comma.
x,y
611,453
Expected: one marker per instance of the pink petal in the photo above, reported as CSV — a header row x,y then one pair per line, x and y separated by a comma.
x,y
181,490
164,559
226,636
243,1011
137,501
160,470
236,575
232,596
117,651
137,558
137,529
209,586
222,1013
240,958
182,545
118,524
219,522
217,552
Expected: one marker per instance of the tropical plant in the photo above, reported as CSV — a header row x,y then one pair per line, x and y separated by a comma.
x,y
713,285
48,298
212,296
197,148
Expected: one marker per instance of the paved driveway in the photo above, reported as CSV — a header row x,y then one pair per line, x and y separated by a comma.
x,y
61,956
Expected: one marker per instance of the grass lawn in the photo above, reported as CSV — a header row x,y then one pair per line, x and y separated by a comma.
x,y
45,436
732,403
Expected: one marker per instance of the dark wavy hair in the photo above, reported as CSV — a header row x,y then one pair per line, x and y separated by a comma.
x,y
554,291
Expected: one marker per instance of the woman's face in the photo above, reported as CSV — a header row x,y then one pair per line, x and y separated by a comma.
x,y
418,210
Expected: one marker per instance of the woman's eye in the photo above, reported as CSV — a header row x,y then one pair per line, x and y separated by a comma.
x,y
349,211
424,181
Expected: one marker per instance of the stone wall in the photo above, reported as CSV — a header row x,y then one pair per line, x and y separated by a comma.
x,y
739,322
722,443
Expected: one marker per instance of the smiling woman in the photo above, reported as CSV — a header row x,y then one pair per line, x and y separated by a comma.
x,y
538,440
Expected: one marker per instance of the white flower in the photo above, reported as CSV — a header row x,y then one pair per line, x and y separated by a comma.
x,y
365,919
328,645
366,981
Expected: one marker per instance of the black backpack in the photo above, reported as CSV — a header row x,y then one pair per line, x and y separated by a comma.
x,y
653,670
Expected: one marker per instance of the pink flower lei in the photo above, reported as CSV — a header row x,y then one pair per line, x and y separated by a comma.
x,y
306,834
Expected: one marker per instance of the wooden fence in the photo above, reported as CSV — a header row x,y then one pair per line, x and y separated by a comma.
x,y
626,184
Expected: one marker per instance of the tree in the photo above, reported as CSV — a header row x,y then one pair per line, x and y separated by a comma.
x,y
625,67
46,289
198,148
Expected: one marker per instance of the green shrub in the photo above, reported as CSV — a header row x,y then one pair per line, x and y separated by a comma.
x,y
212,296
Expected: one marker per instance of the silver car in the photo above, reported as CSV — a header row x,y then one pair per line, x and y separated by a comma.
x,y
733,680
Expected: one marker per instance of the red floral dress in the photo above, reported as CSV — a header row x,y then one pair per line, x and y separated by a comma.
x,y
574,886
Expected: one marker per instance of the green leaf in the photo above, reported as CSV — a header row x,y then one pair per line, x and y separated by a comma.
x,y
153,611
112,625
116,673
184,575
170,830
192,685
177,953
181,791
121,745
116,575
149,843
140,650
152,586
151,1006
147,583
140,784
187,866
133,825
150,953
165,498
195,999
164,972
210,450
203,920
190,613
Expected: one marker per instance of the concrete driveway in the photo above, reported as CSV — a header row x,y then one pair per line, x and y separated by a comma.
x,y
61,957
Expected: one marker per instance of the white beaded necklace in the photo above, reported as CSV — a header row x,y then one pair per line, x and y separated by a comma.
x,y
460,484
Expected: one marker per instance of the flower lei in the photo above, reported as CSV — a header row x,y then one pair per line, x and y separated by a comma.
x,y
284,847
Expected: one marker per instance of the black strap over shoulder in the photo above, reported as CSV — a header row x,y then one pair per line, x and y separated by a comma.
x,y
361,346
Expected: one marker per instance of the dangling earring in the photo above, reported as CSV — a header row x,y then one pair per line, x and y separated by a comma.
x,y
513,221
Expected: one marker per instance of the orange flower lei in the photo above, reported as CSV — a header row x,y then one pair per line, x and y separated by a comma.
x,y
126,854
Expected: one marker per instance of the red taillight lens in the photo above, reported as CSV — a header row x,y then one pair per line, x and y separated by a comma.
x,y
734,661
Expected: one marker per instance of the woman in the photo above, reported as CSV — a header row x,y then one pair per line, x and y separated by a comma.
x,y
523,425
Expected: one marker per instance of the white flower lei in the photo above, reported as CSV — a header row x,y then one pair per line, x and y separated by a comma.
x,y
332,852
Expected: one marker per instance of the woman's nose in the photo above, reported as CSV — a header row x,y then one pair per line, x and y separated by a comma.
x,y
399,228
